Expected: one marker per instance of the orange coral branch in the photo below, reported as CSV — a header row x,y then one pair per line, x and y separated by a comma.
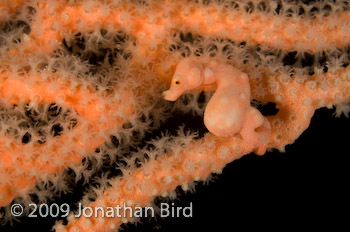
x,y
96,117
154,179
149,25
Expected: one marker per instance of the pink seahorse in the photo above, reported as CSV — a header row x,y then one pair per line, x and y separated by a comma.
x,y
229,111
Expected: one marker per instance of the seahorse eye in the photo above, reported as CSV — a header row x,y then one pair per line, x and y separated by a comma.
x,y
177,82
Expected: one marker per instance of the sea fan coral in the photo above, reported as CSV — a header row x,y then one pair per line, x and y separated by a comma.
x,y
83,120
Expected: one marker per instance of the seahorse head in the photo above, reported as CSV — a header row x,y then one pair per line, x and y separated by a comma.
x,y
188,75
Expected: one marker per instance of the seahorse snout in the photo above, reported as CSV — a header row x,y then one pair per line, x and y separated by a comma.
x,y
170,95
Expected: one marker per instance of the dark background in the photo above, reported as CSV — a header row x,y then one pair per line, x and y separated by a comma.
x,y
307,186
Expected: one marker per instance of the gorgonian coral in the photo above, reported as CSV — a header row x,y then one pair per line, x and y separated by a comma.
x,y
81,87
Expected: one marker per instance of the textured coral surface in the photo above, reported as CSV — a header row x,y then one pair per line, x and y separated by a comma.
x,y
83,119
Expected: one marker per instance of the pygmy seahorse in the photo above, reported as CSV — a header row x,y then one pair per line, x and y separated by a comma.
x,y
229,111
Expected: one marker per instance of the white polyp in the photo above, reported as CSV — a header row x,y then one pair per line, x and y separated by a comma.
x,y
86,222
66,17
184,187
70,218
223,153
101,220
278,98
26,38
180,177
155,192
307,101
311,84
165,194
129,202
293,92
112,226
168,179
